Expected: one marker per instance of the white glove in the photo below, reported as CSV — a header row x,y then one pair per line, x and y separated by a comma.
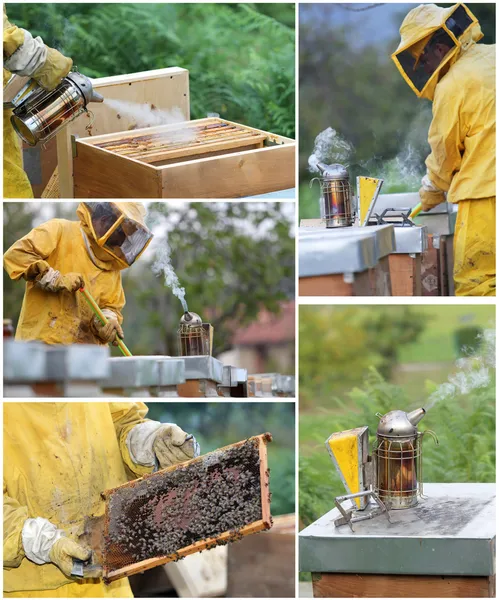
x,y
38,536
166,442
29,57
428,185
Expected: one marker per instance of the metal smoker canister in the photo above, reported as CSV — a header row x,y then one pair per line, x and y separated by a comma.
x,y
397,452
193,336
336,195
40,114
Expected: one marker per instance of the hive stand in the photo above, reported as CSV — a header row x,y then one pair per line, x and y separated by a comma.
x,y
442,548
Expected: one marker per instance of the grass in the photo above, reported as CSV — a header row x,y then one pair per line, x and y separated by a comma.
x,y
437,343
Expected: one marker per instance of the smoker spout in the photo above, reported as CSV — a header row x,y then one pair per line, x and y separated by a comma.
x,y
416,415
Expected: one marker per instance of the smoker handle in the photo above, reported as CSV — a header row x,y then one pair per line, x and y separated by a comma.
x,y
433,435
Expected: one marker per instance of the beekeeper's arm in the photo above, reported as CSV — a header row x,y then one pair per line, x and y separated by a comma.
x,y
29,57
144,442
26,259
35,539
446,138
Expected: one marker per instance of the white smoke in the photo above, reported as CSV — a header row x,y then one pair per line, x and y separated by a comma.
x,y
163,266
330,148
144,115
474,372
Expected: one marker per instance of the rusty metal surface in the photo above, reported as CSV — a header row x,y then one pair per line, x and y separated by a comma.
x,y
450,532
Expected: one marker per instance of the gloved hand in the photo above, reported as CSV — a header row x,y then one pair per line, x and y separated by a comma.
x,y
430,199
51,280
172,445
64,550
54,69
43,543
110,332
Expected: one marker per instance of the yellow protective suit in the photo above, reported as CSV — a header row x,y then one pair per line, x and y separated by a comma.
x,y
58,458
56,66
462,140
68,246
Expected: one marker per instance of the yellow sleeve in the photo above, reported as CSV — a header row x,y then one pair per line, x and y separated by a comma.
x,y
14,516
446,135
125,416
24,257
34,58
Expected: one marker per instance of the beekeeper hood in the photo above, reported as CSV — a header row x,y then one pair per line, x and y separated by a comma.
x,y
116,232
425,34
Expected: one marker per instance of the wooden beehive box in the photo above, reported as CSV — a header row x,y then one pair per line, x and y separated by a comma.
x,y
208,501
205,158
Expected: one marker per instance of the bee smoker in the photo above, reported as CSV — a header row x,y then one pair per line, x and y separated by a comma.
x,y
336,195
195,338
392,477
38,114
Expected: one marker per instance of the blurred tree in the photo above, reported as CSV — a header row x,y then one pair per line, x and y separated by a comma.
x,y
17,220
241,57
232,260
337,345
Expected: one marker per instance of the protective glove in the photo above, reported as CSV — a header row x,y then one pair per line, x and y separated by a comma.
x,y
51,280
429,194
43,543
430,199
27,56
110,332
165,443
55,68
64,551
172,445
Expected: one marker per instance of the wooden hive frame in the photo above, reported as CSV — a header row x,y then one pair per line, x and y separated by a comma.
x,y
244,161
260,525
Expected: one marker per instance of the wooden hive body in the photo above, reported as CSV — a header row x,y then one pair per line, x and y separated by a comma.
x,y
205,158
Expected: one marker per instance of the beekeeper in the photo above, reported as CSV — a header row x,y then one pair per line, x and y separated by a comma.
x,y
58,458
439,58
26,56
59,256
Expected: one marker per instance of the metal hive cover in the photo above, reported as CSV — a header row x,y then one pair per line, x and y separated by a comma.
x,y
213,499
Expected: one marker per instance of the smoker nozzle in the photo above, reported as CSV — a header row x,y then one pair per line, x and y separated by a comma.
x,y
416,415
187,316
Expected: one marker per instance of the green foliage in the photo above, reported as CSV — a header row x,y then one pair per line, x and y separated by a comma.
x,y
465,427
240,57
338,344
218,424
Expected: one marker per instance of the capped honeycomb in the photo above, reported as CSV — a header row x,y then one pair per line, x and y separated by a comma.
x,y
213,499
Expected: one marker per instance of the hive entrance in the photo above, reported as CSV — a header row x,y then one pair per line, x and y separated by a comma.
x,y
213,499
189,141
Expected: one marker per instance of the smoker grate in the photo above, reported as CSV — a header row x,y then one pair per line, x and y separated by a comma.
x,y
188,139
194,340
398,470
214,499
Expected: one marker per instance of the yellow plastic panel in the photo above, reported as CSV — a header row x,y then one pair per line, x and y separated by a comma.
x,y
345,451
367,189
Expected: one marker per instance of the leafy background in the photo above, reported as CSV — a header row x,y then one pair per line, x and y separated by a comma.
x,y
241,57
